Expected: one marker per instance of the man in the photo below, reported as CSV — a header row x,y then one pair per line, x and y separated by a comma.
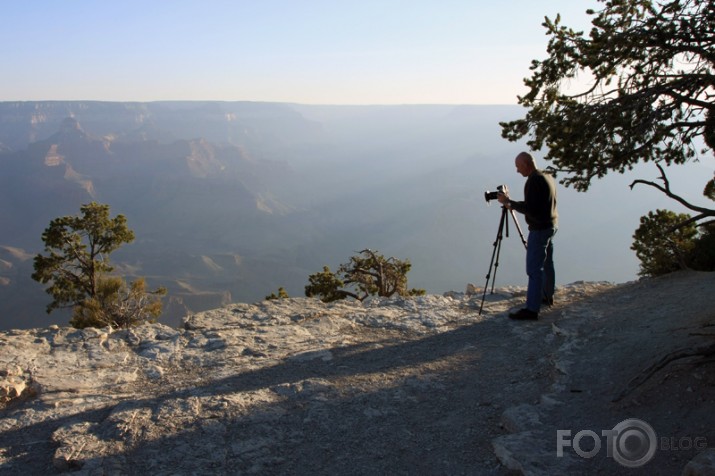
x,y
539,209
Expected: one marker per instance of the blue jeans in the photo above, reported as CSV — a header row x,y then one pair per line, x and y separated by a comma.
x,y
540,267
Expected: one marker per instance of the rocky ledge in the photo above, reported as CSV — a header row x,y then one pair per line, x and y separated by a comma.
x,y
424,385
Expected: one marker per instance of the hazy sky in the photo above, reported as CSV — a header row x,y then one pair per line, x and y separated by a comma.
x,y
306,51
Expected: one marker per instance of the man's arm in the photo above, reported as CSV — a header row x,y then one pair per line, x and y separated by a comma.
x,y
503,198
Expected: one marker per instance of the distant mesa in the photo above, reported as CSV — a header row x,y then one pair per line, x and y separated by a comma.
x,y
71,130
70,125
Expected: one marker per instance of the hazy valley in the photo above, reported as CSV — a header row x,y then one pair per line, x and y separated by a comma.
x,y
229,201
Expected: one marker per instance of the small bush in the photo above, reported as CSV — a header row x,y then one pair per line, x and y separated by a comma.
x,y
663,244
366,274
282,294
118,305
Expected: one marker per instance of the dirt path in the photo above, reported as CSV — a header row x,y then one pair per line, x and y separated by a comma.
x,y
610,343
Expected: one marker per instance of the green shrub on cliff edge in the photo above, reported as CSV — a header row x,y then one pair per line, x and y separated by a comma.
x,y
663,244
366,274
76,268
282,294
118,305
661,251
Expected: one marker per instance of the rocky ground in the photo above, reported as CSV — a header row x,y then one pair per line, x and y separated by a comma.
x,y
396,386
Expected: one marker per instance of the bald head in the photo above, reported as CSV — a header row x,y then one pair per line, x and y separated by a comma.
x,y
525,164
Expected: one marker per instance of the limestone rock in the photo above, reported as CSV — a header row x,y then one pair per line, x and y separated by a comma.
x,y
15,384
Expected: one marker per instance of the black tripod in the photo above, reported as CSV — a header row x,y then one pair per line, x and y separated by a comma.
x,y
503,227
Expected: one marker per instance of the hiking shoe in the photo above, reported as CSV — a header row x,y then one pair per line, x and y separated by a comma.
x,y
524,315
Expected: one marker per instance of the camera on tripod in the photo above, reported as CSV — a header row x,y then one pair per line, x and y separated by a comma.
x,y
489,196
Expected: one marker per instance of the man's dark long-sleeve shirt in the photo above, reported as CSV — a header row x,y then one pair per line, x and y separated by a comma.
x,y
539,205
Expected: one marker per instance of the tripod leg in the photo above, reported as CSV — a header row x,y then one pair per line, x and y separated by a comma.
x,y
521,233
496,266
489,273
495,255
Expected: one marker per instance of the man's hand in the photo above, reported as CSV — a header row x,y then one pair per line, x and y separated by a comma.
x,y
503,197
